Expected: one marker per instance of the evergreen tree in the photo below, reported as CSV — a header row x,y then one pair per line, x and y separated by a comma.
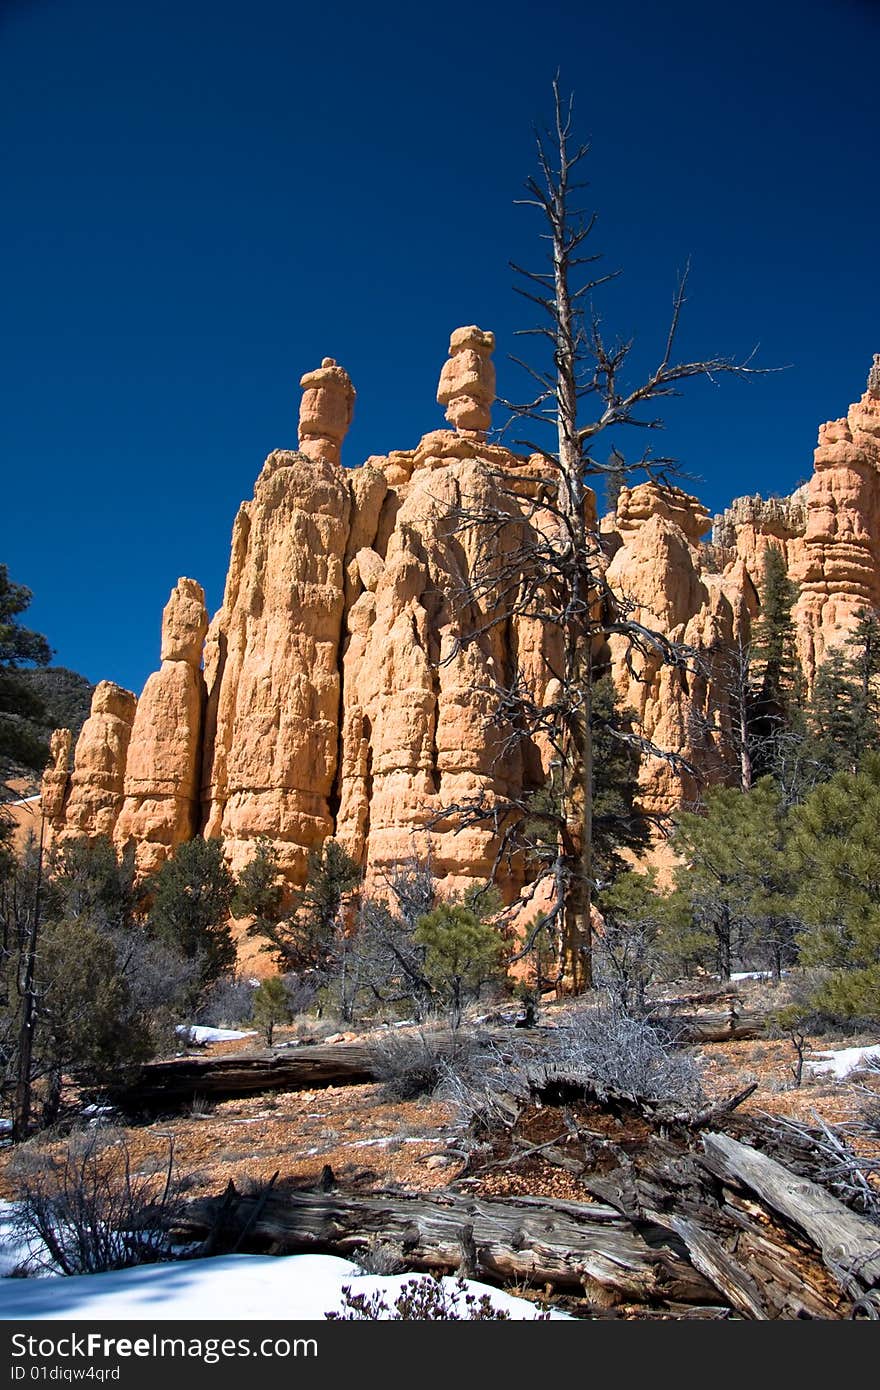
x,y
83,989
259,891
844,712
271,1006
305,934
23,732
737,875
616,475
189,904
777,693
836,854
619,822
462,952
642,929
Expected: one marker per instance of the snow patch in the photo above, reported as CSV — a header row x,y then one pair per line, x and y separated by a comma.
x,y
228,1287
841,1063
199,1036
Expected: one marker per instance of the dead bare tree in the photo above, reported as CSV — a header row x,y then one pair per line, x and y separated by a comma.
x,y
555,575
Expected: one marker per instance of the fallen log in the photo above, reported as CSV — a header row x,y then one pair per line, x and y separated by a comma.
x,y
182,1079
729,1026
589,1248
757,1266
848,1243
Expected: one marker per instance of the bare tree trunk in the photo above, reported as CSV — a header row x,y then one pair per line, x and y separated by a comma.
x,y
21,1106
742,698
576,965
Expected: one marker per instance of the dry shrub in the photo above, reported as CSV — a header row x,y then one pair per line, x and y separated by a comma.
x,y
638,1057
414,1064
84,1211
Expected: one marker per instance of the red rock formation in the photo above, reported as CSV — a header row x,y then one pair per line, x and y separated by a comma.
x,y
839,570
340,698
467,381
96,785
273,664
325,412
56,779
162,806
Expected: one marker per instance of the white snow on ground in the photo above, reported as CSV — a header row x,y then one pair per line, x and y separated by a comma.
x,y
229,1287
13,1251
754,974
846,1060
197,1034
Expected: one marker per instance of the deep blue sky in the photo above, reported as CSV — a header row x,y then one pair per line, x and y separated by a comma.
x,y
203,198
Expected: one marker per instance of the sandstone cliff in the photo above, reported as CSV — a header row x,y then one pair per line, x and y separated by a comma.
x,y
332,694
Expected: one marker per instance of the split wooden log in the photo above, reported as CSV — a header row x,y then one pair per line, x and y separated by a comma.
x,y
760,1266
848,1243
577,1247
180,1080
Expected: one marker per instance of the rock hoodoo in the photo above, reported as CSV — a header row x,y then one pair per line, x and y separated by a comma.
x,y
161,788
94,798
325,412
838,569
467,381
332,695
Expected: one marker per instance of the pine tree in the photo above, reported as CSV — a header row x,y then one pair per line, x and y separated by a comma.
x,y
462,952
639,924
619,822
836,853
189,903
271,1006
778,688
23,732
844,711
736,874
303,935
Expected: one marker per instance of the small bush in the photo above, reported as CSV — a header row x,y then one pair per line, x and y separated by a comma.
x,y
381,1257
426,1299
271,1006
85,1211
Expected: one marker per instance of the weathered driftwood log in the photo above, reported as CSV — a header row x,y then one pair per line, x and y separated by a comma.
x,y
570,1246
848,1243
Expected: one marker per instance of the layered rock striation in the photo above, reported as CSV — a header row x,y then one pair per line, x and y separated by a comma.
x,y
345,686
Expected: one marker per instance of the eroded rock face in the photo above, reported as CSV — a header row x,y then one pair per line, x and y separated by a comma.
x,y
347,676
416,735
684,710
162,793
273,666
97,781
